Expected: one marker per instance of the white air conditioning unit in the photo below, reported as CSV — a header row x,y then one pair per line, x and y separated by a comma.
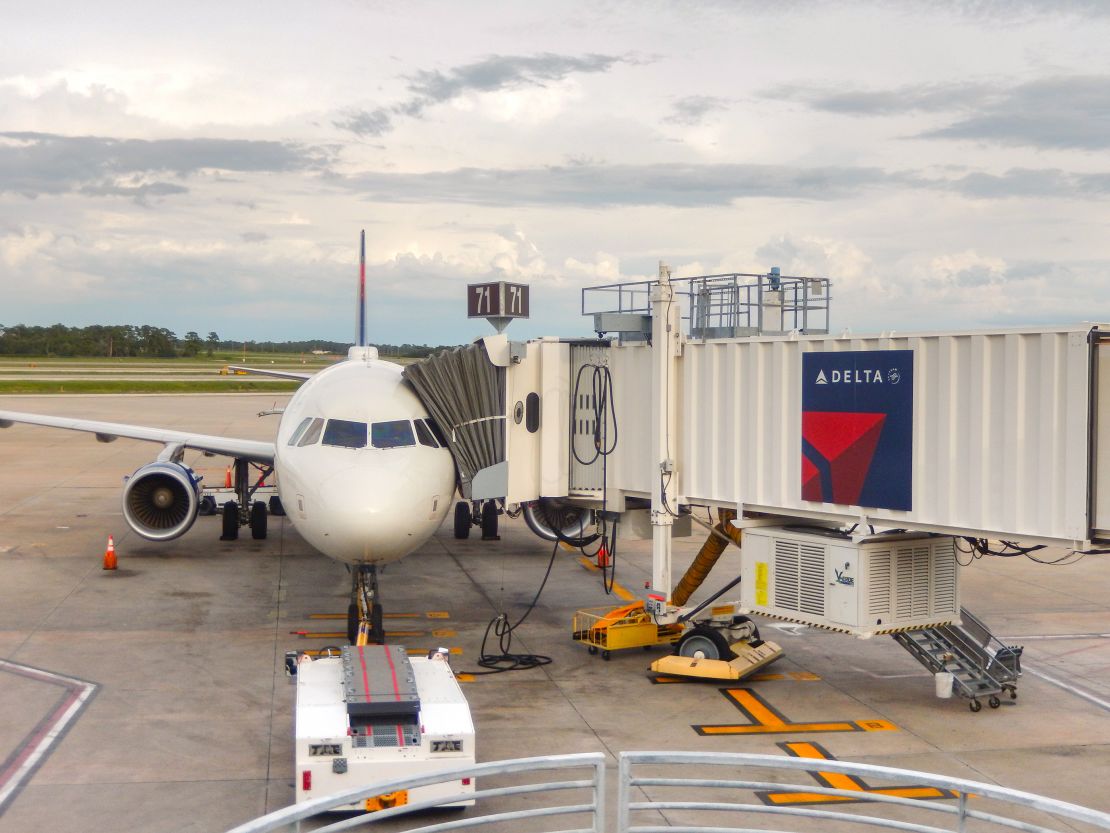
x,y
882,584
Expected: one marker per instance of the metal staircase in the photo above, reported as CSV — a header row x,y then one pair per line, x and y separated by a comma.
x,y
980,664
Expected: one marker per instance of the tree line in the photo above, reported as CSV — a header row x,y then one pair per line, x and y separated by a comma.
x,y
128,341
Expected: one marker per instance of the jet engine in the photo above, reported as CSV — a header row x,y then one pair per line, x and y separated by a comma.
x,y
553,520
160,500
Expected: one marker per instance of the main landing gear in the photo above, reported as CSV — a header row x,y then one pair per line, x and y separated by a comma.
x,y
477,513
244,511
364,613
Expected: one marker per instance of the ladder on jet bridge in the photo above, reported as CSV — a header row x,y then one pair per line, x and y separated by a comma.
x,y
980,664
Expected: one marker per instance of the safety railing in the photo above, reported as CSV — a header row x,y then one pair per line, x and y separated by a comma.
x,y
728,305
593,783
753,787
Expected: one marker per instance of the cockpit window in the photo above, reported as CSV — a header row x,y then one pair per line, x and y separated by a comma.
x,y
313,433
345,433
436,432
393,434
424,434
296,435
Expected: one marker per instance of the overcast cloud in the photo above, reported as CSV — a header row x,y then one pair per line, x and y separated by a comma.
x,y
944,163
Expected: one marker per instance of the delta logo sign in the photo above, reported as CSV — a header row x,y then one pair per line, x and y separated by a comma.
x,y
857,428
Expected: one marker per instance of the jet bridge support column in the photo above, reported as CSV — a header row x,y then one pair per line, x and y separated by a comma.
x,y
665,345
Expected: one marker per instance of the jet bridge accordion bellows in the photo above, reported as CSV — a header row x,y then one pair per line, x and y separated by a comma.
x,y
465,394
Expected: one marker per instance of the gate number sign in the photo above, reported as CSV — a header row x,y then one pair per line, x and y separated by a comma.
x,y
498,299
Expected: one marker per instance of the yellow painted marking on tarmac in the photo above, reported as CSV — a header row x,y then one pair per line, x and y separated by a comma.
x,y
344,615
443,634
840,781
322,634
766,720
438,614
402,634
618,591
465,678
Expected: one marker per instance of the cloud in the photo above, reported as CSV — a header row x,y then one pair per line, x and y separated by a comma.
x,y
1069,111
1036,182
492,74
592,185
1062,112
33,164
908,98
694,109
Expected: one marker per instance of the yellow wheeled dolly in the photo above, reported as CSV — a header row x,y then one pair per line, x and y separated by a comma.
x,y
607,629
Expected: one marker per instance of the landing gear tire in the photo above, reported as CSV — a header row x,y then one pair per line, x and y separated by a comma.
x,y
207,506
276,509
258,520
975,706
994,702
462,520
230,522
352,623
701,642
489,521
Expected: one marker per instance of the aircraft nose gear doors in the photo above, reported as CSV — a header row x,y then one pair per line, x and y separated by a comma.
x,y
364,613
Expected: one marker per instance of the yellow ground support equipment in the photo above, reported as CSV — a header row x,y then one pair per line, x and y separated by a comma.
x,y
748,656
608,629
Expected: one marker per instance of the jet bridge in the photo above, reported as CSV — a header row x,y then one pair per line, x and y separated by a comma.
x,y
729,392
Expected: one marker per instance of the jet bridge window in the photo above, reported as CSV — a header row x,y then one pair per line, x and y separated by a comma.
x,y
311,435
344,433
395,434
424,434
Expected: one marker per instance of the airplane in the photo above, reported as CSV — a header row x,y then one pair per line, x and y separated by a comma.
x,y
364,474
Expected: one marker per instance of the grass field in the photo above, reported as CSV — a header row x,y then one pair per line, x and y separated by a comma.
x,y
237,385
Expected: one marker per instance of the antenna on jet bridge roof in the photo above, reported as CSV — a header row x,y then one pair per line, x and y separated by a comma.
x,y
360,329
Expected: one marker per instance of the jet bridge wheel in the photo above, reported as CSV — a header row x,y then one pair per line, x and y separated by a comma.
x,y
463,520
230,521
701,642
258,520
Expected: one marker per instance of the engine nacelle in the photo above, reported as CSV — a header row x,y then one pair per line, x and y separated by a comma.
x,y
553,520
161,500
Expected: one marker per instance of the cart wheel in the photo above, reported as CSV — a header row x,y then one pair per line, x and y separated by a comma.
x,y
605,655
592,649
1013,693
994,702
975,706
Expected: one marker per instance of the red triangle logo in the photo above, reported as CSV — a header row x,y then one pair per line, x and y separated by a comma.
x,y
847,441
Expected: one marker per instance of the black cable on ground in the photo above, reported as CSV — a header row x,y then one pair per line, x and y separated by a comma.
x,y
499,626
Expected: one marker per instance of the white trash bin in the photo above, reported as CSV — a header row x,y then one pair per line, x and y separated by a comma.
x,y
944,681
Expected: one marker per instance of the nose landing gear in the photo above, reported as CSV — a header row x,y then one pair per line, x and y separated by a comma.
x,y
364,613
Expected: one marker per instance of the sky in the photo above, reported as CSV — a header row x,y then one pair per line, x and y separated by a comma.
x,y
208,166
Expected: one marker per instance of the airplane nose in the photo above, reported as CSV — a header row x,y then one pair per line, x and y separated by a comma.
x,y
370,516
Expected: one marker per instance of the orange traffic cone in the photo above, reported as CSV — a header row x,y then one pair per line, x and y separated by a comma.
x,y
603,559
227,478
110,555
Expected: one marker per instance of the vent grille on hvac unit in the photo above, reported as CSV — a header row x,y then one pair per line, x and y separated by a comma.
x,y
944,578
912,568
878,595
800,577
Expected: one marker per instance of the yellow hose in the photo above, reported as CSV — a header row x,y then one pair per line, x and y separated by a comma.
x,y
705,559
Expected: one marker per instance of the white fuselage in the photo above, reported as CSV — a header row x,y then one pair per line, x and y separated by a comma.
x,y
369,500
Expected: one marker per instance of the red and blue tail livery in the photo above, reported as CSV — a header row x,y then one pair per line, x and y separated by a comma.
x,y
857,428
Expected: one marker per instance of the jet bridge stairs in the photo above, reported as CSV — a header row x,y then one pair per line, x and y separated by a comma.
x,y
980,665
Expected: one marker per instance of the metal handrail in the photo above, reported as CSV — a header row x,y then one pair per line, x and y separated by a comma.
x,y
596,807
961,787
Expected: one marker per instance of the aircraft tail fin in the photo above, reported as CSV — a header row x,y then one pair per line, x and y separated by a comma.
x,y
360,315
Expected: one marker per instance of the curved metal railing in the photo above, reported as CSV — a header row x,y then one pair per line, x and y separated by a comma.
x,y
753,786
976,801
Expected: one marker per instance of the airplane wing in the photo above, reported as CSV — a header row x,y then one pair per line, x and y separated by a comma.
x,y
106,432
280,374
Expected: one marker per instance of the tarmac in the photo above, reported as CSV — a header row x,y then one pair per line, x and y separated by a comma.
x,y
166,676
